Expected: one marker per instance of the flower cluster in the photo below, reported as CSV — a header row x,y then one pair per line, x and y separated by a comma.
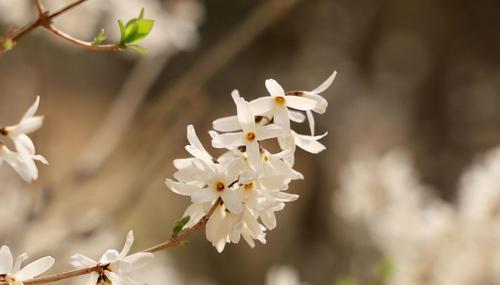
x,y
23,159
247,180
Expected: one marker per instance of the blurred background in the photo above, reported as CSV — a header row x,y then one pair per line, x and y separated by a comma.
x,y
421,77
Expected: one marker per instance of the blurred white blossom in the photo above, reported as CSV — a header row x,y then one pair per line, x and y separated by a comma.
x,y
428,240
283,275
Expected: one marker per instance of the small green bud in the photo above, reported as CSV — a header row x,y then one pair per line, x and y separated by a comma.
x,y
99,38
178,225
8,44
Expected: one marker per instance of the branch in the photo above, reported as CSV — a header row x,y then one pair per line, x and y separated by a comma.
x,y
39,7
66,9
79,43
45,20
171,242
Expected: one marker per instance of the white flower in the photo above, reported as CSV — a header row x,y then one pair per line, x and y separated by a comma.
x,y
224,227
308,143
278,103
264,196
23,160
322,103
28,123
11,271
215,180
22,163
251,134
114,266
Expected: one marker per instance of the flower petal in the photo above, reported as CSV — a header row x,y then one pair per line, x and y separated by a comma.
x,y
268,132
129,241
245,116
321,103
326,84
310,119
134,262
233,200
109,256
181,188
269,219
281,119
296,117
92,280
253,153
35,268
26,126
300,103
19,260
213,224
227,124
199,154
32,110
203,195
6,260
115,278
228,140
81,261
309,143
274,88
195,213
24,144
261,105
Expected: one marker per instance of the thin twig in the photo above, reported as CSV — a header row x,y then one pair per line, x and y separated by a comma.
x,y
79,43
65,9
39,7
171,242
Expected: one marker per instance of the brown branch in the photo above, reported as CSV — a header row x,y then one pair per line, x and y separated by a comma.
x,y
174,241
39,7
79,43
171,242
44,20
65,9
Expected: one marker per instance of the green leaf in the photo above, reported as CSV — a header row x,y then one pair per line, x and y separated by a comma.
x,y
178,225
137,30
8,44
141,14
346,281
130,30
134,31
122,30
100,38
138,48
